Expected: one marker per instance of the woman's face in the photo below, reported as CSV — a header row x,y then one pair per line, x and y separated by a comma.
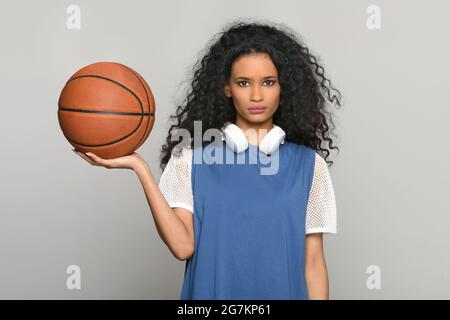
x,y
254,82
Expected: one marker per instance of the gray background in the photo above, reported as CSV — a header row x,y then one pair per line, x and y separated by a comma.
x,y
390,178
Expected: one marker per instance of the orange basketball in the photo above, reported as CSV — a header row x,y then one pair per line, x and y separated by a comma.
x,y
106,108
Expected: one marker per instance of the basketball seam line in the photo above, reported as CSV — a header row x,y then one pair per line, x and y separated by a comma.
x,y
148,104
65,108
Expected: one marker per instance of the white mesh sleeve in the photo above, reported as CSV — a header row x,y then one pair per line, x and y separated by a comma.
x,y
321,210
175,181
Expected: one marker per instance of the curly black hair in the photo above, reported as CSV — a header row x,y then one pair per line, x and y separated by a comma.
x,y
305,92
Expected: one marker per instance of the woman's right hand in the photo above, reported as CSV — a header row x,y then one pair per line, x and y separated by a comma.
x,y
127,162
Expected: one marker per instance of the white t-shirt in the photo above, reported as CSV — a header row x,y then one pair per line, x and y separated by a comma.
x,y
175,185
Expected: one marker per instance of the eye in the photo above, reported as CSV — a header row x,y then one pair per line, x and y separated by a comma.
x,y
272,81
239,82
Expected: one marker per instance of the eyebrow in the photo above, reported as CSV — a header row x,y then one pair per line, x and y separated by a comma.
x,y
245,78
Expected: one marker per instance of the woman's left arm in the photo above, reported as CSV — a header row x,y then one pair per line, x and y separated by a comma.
x,y
315,268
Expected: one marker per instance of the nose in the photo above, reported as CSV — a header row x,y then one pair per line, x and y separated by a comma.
x,y
256,94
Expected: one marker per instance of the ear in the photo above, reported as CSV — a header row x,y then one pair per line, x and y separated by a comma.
x,y
227,90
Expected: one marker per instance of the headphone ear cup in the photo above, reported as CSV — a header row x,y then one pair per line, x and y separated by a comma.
x,y
235,138
272,140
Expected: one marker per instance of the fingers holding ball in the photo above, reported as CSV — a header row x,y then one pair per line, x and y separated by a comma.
x,y
88,157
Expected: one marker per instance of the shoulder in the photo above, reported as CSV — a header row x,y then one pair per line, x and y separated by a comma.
x,y
302,149
320,162
179,161
182,155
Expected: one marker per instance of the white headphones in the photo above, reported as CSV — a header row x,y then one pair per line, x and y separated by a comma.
x,y
237,141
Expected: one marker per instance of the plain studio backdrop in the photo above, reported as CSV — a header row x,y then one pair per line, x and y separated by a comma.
x,y
390,178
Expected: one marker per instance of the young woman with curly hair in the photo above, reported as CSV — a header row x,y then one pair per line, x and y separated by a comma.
x,y
243,234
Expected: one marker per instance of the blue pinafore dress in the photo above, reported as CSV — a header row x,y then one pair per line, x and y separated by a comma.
x,y
249,227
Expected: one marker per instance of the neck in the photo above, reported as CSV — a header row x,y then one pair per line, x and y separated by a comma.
x,y
259,129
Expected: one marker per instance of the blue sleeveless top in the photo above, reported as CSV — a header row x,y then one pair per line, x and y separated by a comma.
x,y
249,227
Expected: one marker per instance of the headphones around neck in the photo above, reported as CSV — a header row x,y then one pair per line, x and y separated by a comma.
x,y
237,141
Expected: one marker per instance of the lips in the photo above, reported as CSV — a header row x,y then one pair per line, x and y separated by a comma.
x,y
257,109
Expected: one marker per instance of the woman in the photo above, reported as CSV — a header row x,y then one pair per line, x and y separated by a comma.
x,y
245,235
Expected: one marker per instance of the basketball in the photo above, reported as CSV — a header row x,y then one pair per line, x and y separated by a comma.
x,y
106,108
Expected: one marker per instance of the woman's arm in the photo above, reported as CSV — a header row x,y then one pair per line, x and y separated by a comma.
x,y
175,226
170,225
315,268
